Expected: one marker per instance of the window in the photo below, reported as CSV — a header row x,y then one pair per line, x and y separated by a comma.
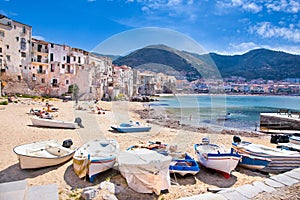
x,y
67,82
7,46
52,68
79,60
74,59
43,80
17,38
54,82
0,49
2,34
8,57
23,44
19,78
20,66
64,58
23,54
25,67
51,56
68,59
63,66
15,26
52,45
24,29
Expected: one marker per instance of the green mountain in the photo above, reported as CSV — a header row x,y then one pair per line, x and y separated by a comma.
x,y
259,63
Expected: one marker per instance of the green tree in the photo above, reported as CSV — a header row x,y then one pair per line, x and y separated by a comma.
x,y
74,90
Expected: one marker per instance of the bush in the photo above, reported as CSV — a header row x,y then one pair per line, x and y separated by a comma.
x,y
4,103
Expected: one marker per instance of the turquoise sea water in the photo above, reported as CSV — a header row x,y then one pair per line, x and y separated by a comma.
x,y
207,109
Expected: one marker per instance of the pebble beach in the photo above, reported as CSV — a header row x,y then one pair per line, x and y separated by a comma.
x,y
16,129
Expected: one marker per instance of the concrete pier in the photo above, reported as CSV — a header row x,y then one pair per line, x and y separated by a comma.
x,y
279,121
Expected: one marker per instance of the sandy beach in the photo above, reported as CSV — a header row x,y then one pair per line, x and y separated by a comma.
x,y
16,129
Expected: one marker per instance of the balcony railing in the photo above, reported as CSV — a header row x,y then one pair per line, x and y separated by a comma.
x,y
40,50
40,60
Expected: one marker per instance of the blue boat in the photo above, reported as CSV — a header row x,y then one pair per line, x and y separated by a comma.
x,y
185,165
254,162
130,127
182,163
281,159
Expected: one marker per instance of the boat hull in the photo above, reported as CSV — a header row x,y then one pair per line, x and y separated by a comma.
x,y
254,163
88,160
131,129
281,160
223,162
35,155
52,123
184,166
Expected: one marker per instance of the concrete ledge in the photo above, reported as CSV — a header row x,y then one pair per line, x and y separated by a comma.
x,y
13,190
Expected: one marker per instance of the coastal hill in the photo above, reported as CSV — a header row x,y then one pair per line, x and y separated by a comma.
x,y
258,63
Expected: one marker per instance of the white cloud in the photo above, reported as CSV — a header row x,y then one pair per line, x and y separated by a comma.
x,y
267,30
38,37
290,6
252,7
171,8
242,48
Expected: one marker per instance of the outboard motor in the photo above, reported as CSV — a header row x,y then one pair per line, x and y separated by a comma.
x,y
274,139
79,122
236,139
205,140
67,143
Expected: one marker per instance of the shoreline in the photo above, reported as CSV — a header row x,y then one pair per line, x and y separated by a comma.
x,y
18,131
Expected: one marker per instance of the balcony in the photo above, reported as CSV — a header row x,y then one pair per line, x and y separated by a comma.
x,y
40,50
40,60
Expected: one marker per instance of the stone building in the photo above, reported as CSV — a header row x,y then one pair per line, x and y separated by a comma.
x,y
15,54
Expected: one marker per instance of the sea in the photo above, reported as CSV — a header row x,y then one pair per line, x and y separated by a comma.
x,y
209,110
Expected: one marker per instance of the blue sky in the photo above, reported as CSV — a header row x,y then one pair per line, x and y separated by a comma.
x,y
222,26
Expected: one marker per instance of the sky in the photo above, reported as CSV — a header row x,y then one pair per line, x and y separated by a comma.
x,y
221,26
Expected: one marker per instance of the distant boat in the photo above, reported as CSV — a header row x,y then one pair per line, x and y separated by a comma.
x,y
224,117
130,127
94,157
52,123
42,154
145,171
281,159
215,157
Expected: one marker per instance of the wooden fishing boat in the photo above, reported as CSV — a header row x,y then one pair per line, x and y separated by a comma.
x,y
42,154
94,157
183,165
215,157
253,162
52,123
281,159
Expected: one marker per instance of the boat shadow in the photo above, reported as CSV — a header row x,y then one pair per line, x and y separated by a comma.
x,y
249,172
215,178
75,182
182,180
15,173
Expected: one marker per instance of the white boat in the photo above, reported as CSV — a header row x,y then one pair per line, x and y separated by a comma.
x,y
215,157
145,171
52,123
130,127
94,157
224,117
281,159
42,154
295,139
